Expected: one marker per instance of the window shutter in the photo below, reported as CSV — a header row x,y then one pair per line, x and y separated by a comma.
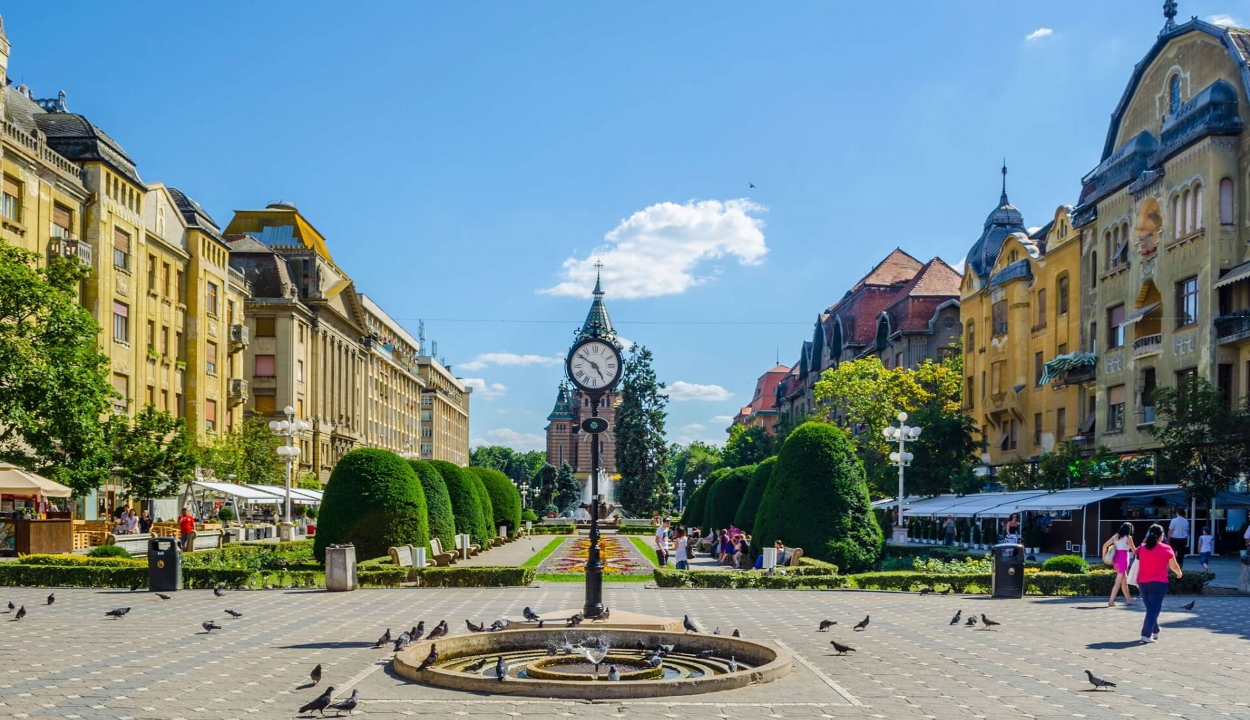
x,y
121,309
12,186
121,240
1115,395
60,216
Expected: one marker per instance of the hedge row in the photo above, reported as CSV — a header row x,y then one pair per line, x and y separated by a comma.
x,y
636,530
505,499
666,578
82,561
554,530
750,505
437,502
479,576
466,501
725,498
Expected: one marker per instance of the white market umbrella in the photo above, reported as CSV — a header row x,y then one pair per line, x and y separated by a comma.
x,y
16,481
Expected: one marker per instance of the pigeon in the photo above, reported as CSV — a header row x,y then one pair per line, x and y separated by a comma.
x,y
234,614
862,623
315,676
947,591
540,624
655,660
385,639
705,654
607,612
51,598
826,624
402,641
162,596
217,591
613,673
926,591
12,607
477,666
1098,682
21,613
688,625
736,633
971,621
501,669
417,631
716,631
321,703
210,626
733,664
349,704
750,185
472,627
135,586
429,659
530,615
117,612
438,631
498,625
988,623
575,620
1187,606
842,649
664,650
958,615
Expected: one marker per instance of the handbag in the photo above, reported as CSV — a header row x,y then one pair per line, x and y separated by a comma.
x,y
1108,557
1131,578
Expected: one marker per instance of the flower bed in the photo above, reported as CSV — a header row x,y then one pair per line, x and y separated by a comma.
x,y
619,557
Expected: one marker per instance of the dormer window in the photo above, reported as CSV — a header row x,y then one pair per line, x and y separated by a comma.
x,y
1174,94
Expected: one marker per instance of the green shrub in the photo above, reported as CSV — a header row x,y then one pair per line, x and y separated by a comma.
x,y
296,554
504,498
108,551
465,505
744,517
554,530
310,512
713,480
964,566
636,530
528,515
437,502
1070,564
728,494
123,560
667,578
692,516
817,499
914,581
484,502
225,514
373,500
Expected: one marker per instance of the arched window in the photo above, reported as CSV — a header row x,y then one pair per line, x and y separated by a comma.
x,y
1187,220
1226,201
971,342
1178,228
1195,211
1093,269
1174,94
1061,302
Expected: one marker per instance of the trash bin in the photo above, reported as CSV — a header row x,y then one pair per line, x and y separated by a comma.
x,y
1008,570
164,564
340,568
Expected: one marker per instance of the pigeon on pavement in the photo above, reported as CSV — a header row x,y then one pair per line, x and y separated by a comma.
x,y
862,623
716,631
689,625
498,625
429,659
385,639
613,673
988,623
135,585
1189,605
438,631
971,621
51,598
826,624
321,703
21,613
209,626
575,620
736,633
217,591
501,669
926,591
417,631
958,615
12,607
117,612
349,704
530,615
842,649
472,627
234,614
315,675
603,616
1098,682
733,664
402,641
162,596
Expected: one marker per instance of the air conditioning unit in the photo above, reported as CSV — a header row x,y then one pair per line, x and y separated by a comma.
x,y
238,388
238,335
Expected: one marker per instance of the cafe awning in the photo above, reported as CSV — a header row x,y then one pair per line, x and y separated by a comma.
x,y
1139,314
1079,498
16,481
243,492
1240,272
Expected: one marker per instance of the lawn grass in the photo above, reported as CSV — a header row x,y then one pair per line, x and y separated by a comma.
x,y
542,554
647,549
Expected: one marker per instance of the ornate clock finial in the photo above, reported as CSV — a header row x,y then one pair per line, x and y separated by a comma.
x,y
1169,12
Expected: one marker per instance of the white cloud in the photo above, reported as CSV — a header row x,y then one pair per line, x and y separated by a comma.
x,y
1038,34
626,343
486,360
722,419
485,390
959,266
1223,20
692,427
522,442
659,250
682,391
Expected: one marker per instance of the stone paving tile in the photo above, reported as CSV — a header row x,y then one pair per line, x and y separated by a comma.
x,y
69,661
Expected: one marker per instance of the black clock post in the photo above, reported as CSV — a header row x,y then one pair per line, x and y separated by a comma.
x,y
594,366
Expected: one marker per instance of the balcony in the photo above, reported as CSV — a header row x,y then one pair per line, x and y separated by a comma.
x,y
68,246
1232,328
1147,416
238,390
1148,345
238,336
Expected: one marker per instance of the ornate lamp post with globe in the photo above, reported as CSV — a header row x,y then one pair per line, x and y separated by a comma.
x,y
901,458
290,428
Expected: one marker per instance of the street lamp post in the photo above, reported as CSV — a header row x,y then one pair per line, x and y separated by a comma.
x,y
681,495
289,429
900,458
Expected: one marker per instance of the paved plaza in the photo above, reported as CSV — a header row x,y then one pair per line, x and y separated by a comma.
x,y
70,661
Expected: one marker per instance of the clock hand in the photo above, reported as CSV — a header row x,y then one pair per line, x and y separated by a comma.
x,y
595,366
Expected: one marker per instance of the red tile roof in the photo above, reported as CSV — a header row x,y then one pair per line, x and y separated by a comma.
x,y
915,303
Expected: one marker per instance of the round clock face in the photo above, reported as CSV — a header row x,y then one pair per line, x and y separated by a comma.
x,y
594,365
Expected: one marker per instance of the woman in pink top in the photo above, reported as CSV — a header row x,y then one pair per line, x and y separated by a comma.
x,y
1155,559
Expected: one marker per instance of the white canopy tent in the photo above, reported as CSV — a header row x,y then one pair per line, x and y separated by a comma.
x,y
1078,498
16,481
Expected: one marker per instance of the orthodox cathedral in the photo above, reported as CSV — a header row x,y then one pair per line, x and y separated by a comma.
x,y
566,443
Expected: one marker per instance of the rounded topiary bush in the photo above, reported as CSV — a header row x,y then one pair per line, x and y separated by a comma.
x,y
437,503
705,521
108,551
465,504
373,501
727,495
1070,564
505,499
744,518
692,515
528,515
817,499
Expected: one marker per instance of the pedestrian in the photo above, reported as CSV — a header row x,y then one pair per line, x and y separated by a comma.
x,y
132,522
186,526
1122,541
682,550
1206,546
1178,535
145,522
661,542
1156,559
948,530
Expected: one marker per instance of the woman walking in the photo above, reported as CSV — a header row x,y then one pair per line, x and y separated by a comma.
x,y
1122,541
1156,559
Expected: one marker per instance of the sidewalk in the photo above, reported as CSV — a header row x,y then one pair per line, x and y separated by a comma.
x,y
510,554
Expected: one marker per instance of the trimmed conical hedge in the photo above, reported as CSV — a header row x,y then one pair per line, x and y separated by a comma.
x,y
438,502
744,518
374,501
727,495
483,501
817,499
692,516
713,480
466,504
505,500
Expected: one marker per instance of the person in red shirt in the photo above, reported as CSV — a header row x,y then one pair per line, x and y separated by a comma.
x,y
186,525
1156,559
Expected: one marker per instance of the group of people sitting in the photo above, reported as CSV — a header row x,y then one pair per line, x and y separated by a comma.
x,y
731,546
129,523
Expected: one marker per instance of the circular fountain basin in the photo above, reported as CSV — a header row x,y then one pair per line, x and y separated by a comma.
x,y
550,663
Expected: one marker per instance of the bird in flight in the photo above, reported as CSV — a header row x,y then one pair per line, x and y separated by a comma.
x,y
751,184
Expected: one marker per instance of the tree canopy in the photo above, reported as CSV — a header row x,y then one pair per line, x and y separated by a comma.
x,y
746,446
153,453
1204,439
641,453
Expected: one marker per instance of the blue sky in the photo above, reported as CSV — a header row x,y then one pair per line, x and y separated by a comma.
x,y
468,161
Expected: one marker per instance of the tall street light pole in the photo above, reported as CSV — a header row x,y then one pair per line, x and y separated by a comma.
x,y
289,429
901,458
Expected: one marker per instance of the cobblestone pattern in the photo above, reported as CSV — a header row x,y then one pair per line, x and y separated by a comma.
x,y
70,661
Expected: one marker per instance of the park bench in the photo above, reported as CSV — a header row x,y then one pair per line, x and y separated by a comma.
x,y
406,556
135,544
205,540
441,557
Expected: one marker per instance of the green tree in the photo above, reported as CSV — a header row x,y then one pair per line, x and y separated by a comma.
x,y
466,504
504,498
1015,475
153,453
1204,440
705,520
249,453
945,452
373,500
54,386
746,446
1064,467
744,518
689,462
545,481
641,453
817,499
728,495
437,503
495,457
568,490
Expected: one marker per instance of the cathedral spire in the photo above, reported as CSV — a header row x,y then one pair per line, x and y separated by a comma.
x,y
597,321
563,409
1002,200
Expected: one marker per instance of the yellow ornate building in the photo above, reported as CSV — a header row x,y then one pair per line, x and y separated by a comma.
x,y
1019,302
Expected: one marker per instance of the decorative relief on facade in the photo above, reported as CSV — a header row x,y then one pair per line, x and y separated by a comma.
x,y
1114,362
1183,345
122,285
1148,268
122,365
212,328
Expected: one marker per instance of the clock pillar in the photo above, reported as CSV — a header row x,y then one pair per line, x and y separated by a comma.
x,y
594,562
